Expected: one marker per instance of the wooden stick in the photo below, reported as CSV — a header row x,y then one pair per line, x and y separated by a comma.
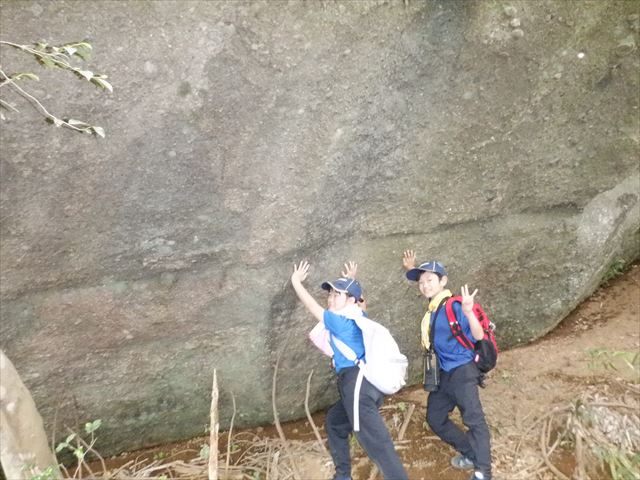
x,y
213,430
311,422
233,399
545,455
405,424
579,456
276,419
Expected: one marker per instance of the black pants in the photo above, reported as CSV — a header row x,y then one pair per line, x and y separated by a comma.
x,y
459,388
373,435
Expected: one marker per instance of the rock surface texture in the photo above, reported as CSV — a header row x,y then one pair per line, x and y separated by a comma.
x,y
498,137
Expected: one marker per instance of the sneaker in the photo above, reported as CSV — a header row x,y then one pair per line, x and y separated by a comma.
x,y
462,463
478,476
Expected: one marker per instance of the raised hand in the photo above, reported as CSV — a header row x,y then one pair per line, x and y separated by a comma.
x,y
467,299
409,259
300,271
350,269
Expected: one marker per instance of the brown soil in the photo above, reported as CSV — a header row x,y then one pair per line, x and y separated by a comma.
x,y
527,382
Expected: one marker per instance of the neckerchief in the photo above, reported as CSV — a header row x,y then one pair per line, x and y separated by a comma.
x,y
425,323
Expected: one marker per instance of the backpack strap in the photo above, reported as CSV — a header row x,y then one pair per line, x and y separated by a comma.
x,y
346,350
456,329
432,325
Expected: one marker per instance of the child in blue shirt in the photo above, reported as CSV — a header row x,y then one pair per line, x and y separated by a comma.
x,y
373,436
459,375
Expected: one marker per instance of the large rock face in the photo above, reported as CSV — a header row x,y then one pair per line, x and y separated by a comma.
x,y
500,138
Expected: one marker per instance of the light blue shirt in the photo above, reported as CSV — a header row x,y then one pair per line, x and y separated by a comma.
x,y
348,333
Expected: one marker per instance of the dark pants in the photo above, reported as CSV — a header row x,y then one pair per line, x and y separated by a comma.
x,y
459,388
373,435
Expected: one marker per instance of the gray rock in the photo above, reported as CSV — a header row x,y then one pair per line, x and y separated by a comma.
x,y
626,45
135,265
510,11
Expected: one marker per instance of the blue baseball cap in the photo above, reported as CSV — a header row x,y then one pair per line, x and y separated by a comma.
x,y
345,285
435,267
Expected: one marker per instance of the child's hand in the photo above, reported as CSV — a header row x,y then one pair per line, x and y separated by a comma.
x,y
350,270
409,259
300,271
467,300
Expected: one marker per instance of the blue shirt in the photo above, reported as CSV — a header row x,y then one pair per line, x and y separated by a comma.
x,y
346,331
450,352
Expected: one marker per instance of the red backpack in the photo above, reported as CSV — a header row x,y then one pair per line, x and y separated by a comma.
x,y
486,350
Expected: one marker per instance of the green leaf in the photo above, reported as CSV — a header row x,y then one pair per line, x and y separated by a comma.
x,y
69,50
32,76
91,427
83,49
77,123
98,131
86,74
204,452
61,446
57,122
79,453
102,83
83,53
46,61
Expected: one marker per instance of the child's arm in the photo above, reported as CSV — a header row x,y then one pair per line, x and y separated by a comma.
x,y
298,276
467,309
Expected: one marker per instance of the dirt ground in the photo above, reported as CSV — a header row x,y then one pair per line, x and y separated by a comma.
x,y
528,383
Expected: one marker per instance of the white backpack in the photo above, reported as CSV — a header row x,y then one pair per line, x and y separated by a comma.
x,y
385,367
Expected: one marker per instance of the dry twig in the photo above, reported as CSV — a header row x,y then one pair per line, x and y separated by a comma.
x,y
309,417
213,433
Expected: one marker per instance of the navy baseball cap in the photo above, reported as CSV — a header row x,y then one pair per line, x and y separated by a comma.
x,y
345,285
435,267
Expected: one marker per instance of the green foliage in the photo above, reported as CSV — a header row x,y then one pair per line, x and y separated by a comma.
x,y
622,465
204,452
78,449
61,57
354,446
614,270
91,427
605,358
66,444
48,474
159,456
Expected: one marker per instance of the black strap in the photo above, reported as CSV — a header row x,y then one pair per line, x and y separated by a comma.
x,y
432,322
